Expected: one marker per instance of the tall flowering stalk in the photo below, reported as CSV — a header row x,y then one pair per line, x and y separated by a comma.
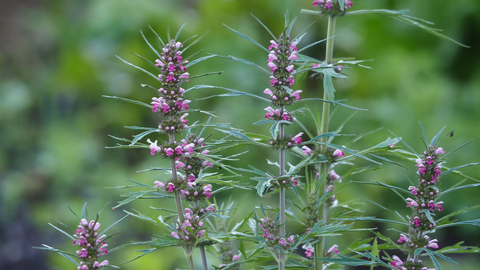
x,y
283,52
186,155
424,207
92,245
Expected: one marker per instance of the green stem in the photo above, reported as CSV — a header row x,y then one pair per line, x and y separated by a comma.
x,y
202,248
324,129
178,200
281,259
178,203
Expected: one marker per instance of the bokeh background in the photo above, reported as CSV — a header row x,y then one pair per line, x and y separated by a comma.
x,y
57,59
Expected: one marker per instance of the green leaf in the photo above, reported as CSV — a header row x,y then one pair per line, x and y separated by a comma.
x,y
432,255
62,231
245,62
393,162
130,64
130,101
151,47
179,31
475,222
401,15
196,61
266,28
138,137
195,42
249,39
457,188
64,254
373,219
458,212
84,211
434,140
145,252
459,167
233,93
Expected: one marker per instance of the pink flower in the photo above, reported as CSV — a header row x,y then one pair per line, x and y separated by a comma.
x,y
338,153
439,151
333,249
298,138
272,66
153,147
293,56
274,45
158,63
316,2
309,250
184,76
306,150
272,57
170,187
328,5
411,202
396,261
291,239
289,68
282,242
413,189
416,221
296,94
270,112
268,92
403,238
235,257
433,243
316,65
348,3
211,207
169,152
334,176
174,234
158,184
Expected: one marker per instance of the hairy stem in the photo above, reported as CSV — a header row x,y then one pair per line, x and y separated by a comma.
x,y
281,261
324,129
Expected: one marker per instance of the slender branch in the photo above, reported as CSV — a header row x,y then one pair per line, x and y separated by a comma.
x,y
202,249
324,129
281,261
178,203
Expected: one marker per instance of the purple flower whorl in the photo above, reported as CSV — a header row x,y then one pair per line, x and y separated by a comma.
x,y
92,245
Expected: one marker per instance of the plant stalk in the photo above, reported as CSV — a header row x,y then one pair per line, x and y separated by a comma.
x,y
202,249
178,203
281,261
324,129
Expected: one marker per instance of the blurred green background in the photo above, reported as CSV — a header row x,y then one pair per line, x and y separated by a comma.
x,y
57,59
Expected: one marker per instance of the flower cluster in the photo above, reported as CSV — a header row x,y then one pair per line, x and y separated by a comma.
x,y
309,250
279,115
191,229
271,235
186,159
92,245
287,142
280,62
227,255
170,102
332,6
284,181
423,206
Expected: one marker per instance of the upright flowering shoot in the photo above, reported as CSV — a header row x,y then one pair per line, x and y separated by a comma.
x,y
424,207
170,102
91,244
